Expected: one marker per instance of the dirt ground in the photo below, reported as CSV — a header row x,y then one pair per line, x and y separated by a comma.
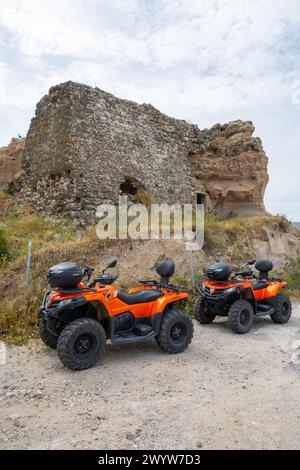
x,y
226,391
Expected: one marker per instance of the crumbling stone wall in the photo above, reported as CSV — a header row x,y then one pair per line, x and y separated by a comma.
x,y
85,147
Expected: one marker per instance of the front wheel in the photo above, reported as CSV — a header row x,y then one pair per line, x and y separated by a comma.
x,y
176,331
283,309
81,344
241,316
200,313
48,338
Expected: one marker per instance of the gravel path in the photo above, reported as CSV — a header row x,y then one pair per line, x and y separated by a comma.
x,y
226,391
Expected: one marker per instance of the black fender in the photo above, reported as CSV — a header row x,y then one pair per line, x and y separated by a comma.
x,y
85,308
157,319
246,293
175,303
69,310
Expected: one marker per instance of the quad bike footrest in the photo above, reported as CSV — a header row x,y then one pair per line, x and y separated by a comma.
x,y
131,337
264,309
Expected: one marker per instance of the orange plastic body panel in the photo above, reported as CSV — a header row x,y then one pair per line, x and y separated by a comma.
x,y
271,290
107,295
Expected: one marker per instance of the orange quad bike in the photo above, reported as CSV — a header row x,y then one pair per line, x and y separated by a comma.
x,y
78,318
242,296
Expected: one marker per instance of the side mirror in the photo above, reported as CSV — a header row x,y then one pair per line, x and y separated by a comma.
x,y
250,263
111,264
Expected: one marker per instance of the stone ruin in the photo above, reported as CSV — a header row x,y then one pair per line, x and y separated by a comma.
x,y
86,147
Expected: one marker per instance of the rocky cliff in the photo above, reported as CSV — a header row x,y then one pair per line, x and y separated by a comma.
x,y
10,161
85,147
231,166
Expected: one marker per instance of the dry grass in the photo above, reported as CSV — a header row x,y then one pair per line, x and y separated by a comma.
x,y
145,197
232,236
21,224
18,313
5,203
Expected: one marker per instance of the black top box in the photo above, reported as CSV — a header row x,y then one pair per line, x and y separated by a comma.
x,y
64,275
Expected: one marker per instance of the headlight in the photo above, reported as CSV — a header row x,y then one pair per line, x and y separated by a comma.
x,y
230,290
63,304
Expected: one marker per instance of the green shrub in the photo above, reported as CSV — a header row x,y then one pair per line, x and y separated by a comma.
x,y
290,273
3,245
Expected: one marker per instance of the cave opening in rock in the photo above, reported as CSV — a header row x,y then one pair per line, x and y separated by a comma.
x,y
201,198
129,187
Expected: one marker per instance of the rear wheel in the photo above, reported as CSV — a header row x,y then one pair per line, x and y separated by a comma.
x,y
176,331
48,338
200,314
241,316
283,309
81,344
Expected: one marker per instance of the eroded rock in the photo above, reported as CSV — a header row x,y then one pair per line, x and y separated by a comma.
x,y
231,167
10,161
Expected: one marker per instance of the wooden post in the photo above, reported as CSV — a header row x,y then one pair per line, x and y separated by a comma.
x,y
28,263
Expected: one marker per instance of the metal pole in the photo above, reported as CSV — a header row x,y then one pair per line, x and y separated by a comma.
x,y
192,270
28,262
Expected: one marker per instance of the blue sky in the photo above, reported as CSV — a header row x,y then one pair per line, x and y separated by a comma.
x,y
205,61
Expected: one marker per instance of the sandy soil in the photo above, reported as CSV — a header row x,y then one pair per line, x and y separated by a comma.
x,y
226,391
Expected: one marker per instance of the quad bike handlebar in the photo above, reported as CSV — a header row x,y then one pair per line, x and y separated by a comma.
x,y
176,288
242,272
168,287
150,282
88,270
249,263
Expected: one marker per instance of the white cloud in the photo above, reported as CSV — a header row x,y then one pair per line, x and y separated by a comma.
x,y
3,80
212,52
219,51
45,27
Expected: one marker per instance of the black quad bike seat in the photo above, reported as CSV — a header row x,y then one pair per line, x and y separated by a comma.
x,y
259,284
140,296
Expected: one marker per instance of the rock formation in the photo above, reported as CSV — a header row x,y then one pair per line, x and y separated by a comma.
x,y
10,161
85,147
231,167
